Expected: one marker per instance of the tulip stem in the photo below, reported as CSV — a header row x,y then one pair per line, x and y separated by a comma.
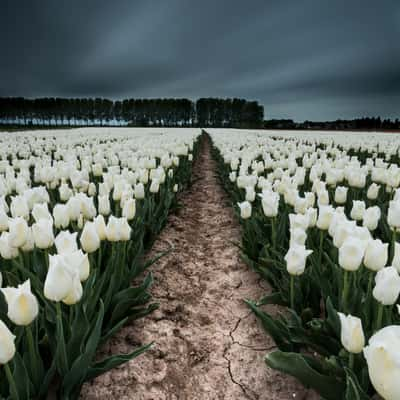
x,y
345,290
351,361
321,243
292,292
392,248
11,382
32,355
61,340
273,232
379,317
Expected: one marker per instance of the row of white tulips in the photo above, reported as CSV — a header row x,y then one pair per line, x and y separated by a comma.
x,y
346,189
73,205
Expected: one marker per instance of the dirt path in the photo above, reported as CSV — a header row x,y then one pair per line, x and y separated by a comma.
x,y
207,344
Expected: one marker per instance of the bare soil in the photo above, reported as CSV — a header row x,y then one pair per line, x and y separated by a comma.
x,y
208,345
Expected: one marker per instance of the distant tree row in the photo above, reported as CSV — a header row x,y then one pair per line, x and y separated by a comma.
x,y
340,124
210,112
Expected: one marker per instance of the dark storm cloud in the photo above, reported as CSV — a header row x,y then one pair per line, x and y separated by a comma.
x,y
308,59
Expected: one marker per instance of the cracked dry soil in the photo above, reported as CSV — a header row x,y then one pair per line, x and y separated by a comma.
x,y
207,344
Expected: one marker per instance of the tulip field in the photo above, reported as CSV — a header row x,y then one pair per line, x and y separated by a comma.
x,y
320,214
78,208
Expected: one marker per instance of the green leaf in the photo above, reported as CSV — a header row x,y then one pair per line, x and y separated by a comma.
x,y
114,361
298,366
272,327
353,388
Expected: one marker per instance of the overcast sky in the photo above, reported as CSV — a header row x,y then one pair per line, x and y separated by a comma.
x,y
302,59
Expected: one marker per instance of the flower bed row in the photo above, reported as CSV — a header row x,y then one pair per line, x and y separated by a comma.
x,y
320,215
77,210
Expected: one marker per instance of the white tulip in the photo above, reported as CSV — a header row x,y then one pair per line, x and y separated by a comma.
x,y
43,233
376,255
358,210
22,304
118,229
41,211
139,191
382,355
90,240
387,286
352,334
325,217
393,217
61,216
65,242
341,194
100,225
129,209
373,191
371,217
7,345
351,253
245,209
59,280
6,250
18,228
104,205
296,259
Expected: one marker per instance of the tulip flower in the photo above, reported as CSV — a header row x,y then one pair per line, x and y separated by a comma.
x,y
383,362
352,334
22,304
19,230
7,345
65,242
90,240
43,233
245,209
376,255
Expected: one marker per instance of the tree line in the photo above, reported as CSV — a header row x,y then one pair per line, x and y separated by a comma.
x,y
56,111
366,123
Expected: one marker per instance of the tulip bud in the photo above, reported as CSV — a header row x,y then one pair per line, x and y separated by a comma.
x,y
65,242
7,348
373,191
341,194
89,239
7,251
61,216
387,286
296,259
396,257
325,216
118,229
393,216
376,255
352,334
41,211
43,233
100,227
351,253
382,360
29,244
139,191
245,209
371,217
18,229
358,210
4,220
129,209
59,279
175,188
23,307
